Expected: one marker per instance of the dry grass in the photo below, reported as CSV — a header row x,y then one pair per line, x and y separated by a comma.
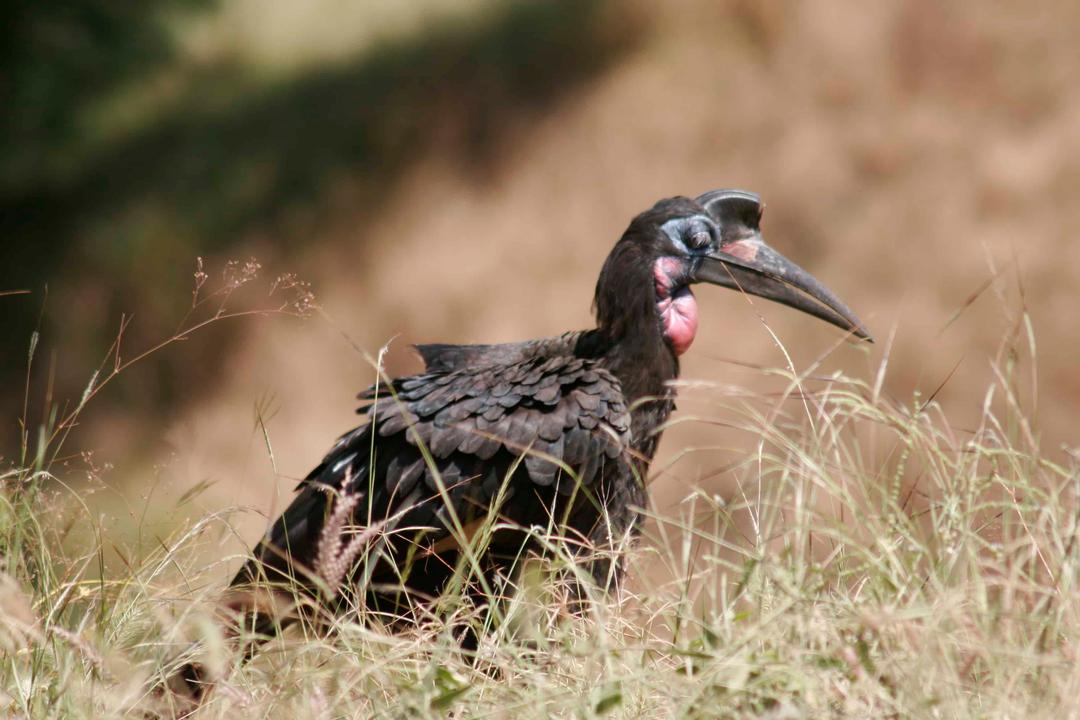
x,y
875,562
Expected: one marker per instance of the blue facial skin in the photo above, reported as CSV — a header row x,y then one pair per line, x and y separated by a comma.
x,y
691,238
691,235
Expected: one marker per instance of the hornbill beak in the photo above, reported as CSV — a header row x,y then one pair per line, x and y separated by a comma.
x,y
742,261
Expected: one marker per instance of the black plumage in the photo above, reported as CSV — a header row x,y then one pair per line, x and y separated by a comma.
x,y
555,433
544,407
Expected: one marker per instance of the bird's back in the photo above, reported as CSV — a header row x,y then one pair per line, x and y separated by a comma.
x,y
533,435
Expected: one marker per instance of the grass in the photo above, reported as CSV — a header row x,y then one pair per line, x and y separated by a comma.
x,y
872,561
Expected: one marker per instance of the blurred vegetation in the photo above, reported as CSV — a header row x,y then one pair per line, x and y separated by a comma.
x,y
112,217
57,61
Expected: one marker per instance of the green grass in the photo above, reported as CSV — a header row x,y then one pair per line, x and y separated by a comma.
x,y
871,561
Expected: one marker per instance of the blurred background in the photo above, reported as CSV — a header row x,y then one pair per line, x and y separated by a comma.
x,y
456,170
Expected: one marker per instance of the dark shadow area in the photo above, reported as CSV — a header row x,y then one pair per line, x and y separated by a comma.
x,y
57,60
122,234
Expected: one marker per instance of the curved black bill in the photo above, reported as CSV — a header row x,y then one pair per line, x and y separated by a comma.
x,y
751,266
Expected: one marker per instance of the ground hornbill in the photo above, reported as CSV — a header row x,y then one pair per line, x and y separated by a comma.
x,y
544,437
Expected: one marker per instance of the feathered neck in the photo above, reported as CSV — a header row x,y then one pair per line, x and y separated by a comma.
x,y
629,335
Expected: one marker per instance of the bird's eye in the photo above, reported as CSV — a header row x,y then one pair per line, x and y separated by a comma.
x,y
699,238
697,235
692,233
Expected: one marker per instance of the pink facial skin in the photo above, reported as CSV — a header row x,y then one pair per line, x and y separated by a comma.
x,y
677,306
743,249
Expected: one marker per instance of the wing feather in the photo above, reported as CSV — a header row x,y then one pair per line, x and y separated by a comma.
x,y
475,417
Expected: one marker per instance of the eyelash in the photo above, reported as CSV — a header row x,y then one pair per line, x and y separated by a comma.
x,y
699,239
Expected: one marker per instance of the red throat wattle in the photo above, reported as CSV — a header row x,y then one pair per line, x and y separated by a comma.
x,y
676,304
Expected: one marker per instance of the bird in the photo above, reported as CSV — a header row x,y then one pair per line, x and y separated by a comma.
x,y
555,434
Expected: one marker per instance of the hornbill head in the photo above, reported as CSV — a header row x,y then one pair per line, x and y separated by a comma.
x,y
714,238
